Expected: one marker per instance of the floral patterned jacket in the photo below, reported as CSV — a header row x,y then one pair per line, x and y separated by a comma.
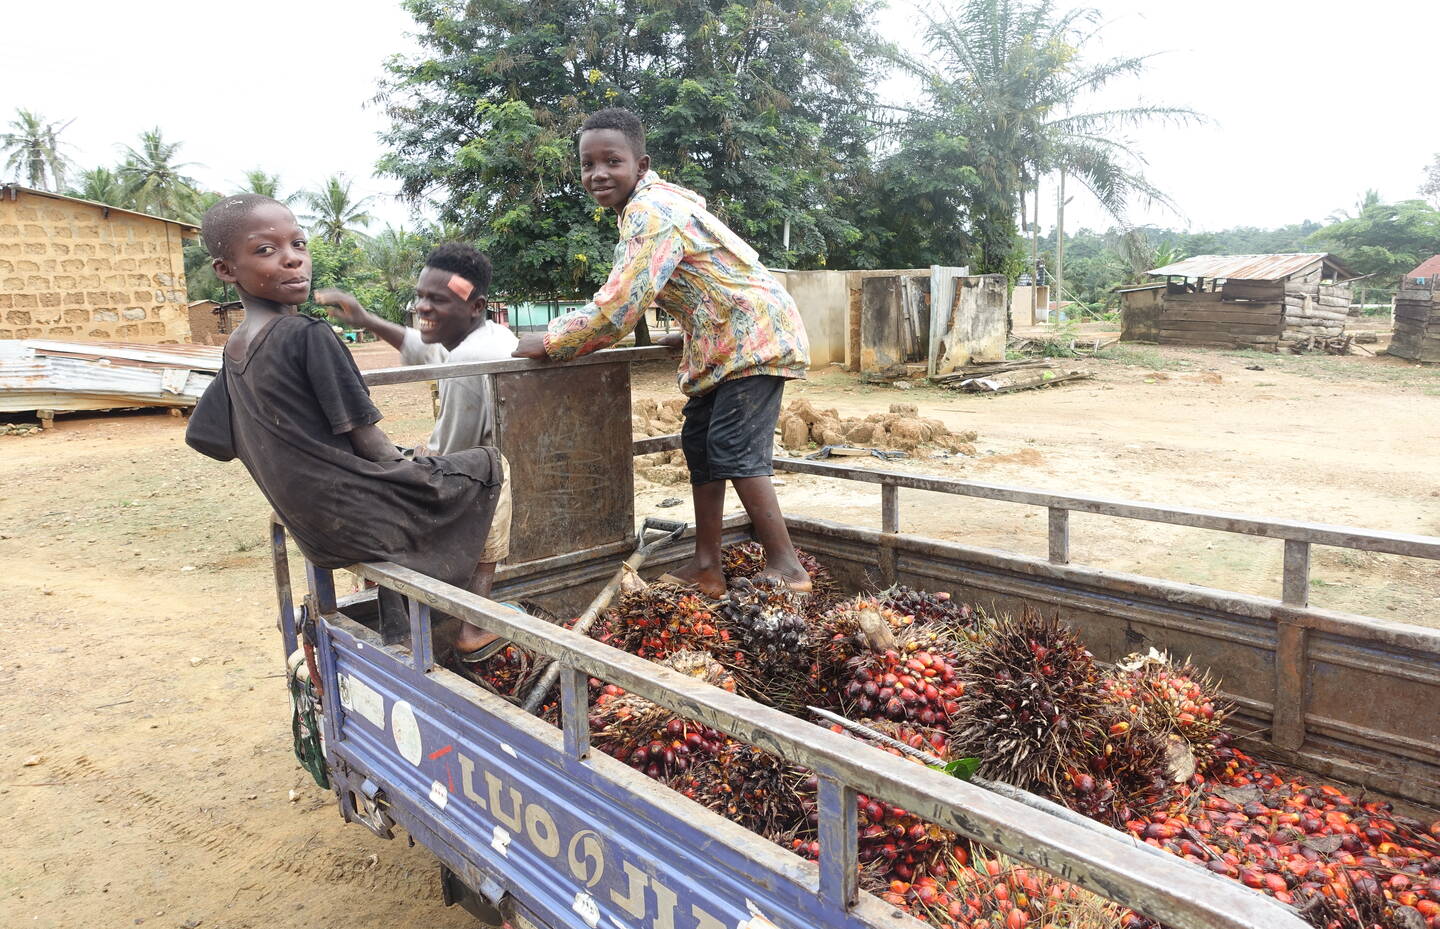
x,y
737,319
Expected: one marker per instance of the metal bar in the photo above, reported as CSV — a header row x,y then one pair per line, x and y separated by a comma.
x,y
1163,890
422,649
280,560
1292,642
322,587
839,844
409,373
575,711
1297,573
1059,535
889,508
659,443
1394,543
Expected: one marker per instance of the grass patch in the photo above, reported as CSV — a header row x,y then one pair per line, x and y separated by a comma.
x,y
1140,358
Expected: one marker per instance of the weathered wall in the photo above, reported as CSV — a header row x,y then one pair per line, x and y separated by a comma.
x,y
209,327
823,298
1021,311
68,272
1140,314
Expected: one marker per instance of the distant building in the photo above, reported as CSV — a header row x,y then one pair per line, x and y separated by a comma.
x,y
1264,302
211,323
73,269
1427,271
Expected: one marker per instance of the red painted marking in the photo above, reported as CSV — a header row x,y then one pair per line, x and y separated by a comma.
x,y
449,780
441,751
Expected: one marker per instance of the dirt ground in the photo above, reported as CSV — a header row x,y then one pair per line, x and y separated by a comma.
x,y
145,757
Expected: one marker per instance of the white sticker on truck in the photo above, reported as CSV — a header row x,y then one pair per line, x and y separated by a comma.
x,y
500,841
587,908
358,697
439,795
406,732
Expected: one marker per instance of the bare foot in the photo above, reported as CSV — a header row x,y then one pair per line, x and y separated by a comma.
x,y
472,637
796,579
709,581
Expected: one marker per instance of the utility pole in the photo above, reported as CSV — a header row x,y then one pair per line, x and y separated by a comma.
x,y
1060,242
1035,257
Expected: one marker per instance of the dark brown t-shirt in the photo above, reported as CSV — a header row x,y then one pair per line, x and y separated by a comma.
x,y
284,410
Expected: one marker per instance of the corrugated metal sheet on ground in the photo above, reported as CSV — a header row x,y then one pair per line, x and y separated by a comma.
x,y
44,374
1242,267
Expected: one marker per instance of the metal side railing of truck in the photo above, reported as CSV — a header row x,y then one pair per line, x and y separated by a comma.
x,y
515,807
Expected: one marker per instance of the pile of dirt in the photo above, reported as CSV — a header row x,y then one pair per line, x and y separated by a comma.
x,y
901,429
801,427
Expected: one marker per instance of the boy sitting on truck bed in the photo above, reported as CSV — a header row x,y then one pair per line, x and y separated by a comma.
x,y
451,307
289,402
742,338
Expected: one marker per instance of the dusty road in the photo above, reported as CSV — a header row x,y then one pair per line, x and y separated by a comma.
x,y
141,673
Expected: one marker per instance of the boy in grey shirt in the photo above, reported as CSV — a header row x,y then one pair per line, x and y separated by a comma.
x,y
451,326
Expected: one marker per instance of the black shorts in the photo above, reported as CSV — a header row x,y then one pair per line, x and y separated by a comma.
x,y
730,432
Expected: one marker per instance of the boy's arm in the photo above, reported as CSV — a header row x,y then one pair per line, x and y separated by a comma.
x,y
371,442
346,310
649,261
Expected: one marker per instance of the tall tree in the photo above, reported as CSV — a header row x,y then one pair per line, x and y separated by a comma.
x,y
266,185
1383,239
102,186
335,211
1430,187
1013,73
155,181
759,107
397,256
34,148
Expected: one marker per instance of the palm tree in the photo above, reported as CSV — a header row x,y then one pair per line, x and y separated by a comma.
x,y
102,186
1010,75
335,213
34,149
266,185
153,179
396,255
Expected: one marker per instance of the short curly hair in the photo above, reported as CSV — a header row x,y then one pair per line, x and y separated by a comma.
x,y
621,120
223,221
465,260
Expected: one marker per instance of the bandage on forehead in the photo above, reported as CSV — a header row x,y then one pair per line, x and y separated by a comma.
x,y
460,287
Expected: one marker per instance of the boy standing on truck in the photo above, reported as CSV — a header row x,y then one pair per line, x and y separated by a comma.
x,y
290,403
452,325
742,337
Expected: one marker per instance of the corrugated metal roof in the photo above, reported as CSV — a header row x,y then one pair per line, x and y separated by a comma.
x,y
42,374
187,230
1427,269
1247,267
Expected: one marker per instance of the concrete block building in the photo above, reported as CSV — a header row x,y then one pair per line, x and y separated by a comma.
x,y
77,270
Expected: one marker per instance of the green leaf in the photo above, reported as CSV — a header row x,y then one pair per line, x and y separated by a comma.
x,y
962,768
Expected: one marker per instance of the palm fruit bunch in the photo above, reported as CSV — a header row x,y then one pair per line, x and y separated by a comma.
x,y
839,637
507,672
751,787
903,685
747,559
659,620
649,737
767,640
994,892
1032,707
1173,698
937,609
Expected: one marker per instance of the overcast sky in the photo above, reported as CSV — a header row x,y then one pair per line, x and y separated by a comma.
x,y
1292,90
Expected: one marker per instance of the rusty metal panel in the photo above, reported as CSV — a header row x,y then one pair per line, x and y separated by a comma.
x,y
1243,267
566,433
882,313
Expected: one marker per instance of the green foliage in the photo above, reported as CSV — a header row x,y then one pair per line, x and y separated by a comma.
x,y
1385,240
759,107
153,182
34,149
395,257
1013,75
102,186
266,185
335,213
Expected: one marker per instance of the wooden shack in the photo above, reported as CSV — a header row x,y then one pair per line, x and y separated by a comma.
x,y
1417,314
1264,302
